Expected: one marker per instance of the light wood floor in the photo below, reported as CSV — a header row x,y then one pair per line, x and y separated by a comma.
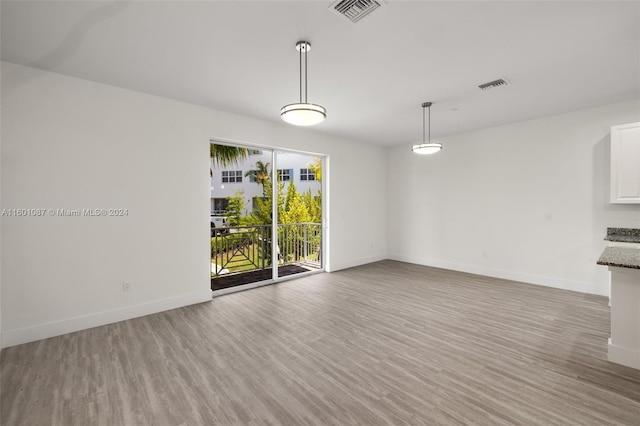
x,y
386,343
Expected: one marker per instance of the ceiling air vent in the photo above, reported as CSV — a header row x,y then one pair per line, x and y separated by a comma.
x,y
493,84
355,10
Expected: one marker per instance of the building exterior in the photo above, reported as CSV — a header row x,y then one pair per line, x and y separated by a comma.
x,y
229,180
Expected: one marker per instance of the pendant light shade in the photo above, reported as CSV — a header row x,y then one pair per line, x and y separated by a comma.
x,y
426,147
303,113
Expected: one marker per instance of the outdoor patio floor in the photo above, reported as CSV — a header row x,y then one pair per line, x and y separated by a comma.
x,y
232,280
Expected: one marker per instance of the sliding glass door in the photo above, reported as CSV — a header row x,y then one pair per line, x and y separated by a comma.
x,y
266,215
299,229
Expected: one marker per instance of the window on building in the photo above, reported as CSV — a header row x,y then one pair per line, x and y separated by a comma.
x,y
307,174
232,176
219,205
285,174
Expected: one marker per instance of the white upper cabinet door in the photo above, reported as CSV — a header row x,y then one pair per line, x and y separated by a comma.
x,y
625,164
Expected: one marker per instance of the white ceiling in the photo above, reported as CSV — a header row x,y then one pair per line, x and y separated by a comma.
x,y
372,76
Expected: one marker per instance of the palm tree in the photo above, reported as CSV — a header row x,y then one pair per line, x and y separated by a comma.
x,y
260,175
316,168
225,155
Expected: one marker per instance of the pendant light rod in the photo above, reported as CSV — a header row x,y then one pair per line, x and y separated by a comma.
x,y
303,47
426,105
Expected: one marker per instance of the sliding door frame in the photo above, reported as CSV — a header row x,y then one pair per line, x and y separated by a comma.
x,y
324,188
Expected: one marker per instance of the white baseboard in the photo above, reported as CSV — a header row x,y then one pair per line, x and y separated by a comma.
x,y
546,281
51,329
624,356
336,266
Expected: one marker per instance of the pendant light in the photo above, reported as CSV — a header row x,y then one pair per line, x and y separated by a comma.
x,y
303,113
425,148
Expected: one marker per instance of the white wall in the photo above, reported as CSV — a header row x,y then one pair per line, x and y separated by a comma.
x,y
482,204
73,144
70,143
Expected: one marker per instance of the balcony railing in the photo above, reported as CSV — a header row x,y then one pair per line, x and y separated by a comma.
x,y
248,248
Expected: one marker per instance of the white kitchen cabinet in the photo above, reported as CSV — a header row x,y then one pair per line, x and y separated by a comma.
x,y
625,164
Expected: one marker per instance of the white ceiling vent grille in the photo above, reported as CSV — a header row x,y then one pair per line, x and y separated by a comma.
x,y
355,10
494,84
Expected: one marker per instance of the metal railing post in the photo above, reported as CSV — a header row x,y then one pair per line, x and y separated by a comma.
x,y
305,241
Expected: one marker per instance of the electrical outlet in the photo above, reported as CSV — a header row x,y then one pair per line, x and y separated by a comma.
x,y
126,285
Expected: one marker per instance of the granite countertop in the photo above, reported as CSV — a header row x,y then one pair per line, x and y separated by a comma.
x,y
623,257
625,235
